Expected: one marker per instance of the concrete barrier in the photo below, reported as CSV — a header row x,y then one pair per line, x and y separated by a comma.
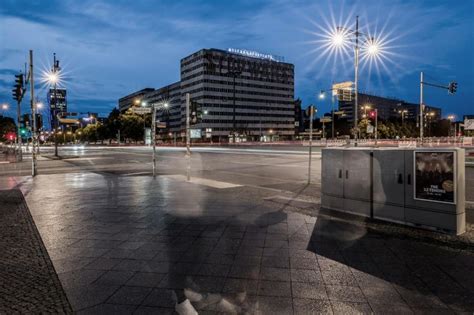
x,y
422,187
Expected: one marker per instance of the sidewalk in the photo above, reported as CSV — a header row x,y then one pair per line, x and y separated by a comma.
x,y
28,282
133,244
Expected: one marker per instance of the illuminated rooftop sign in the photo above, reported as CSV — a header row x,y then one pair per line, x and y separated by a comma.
x,y
255,54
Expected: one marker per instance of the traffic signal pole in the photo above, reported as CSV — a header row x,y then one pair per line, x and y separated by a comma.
x,y
451,87
188,140
33,114
153,137
18,137
422,108
311,114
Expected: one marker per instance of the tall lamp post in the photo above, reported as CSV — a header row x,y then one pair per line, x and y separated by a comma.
x,y
53,78
155,107
371,48
402,112
451,119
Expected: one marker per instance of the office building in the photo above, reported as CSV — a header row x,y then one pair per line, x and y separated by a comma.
x,y
240,92
243,92
387,108
132,99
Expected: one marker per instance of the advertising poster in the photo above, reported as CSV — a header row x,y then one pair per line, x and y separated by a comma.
x,y
435,176
195,133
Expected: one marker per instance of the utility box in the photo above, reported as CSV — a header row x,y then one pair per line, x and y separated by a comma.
x,y
420,187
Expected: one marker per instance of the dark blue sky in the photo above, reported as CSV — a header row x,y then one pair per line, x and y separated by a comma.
x,y
111,48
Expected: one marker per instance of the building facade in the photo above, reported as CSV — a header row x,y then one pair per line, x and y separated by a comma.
x,y
387,108
135,98
250,96
240,92
169,118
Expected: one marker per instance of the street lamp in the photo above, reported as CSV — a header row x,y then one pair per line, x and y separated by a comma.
x,y
155,106
53,78
5,106
451,119
402,112
372,48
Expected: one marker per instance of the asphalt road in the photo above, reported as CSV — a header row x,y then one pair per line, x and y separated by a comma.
x,y
270,167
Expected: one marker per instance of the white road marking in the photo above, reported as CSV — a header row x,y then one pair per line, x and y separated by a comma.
x,y
203,181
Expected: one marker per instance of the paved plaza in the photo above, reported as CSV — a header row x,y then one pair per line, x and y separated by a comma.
x,y
134,244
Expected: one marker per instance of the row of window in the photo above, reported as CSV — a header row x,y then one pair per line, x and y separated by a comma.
x,y
231,91
240,84
243,100
282,80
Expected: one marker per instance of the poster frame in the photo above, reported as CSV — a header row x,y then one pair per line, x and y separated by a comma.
x,y
454,175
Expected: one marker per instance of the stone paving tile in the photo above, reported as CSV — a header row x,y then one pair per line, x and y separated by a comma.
x,y
386,295
161,298
129,295
146,279
273,305
312,307
275,274
238,244
149,310
108,309
274,288
114,277
102,263
345,294
306,275
351,308
389,309
316,291
28,281
82,297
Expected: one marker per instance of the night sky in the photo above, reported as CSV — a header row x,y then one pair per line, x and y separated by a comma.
x,y
108,49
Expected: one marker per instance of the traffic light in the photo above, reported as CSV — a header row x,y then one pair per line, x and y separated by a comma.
x,y
372,114
18,88
452,87
195,115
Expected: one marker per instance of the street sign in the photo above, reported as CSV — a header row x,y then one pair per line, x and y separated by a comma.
x,y
325,119
370,129
195,133
468,124
161,125
141,110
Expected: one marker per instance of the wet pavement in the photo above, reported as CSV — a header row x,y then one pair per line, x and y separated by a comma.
x,y
134,244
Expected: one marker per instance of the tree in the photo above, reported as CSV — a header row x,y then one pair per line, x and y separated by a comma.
x,y
89,133
113,123
7,125
132,126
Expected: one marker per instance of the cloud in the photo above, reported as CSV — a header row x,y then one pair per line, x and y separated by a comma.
x,y
111,48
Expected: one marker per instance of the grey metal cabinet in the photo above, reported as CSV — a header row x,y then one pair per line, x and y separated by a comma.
x,y
332,188
388,180
356,174
380,182
332,179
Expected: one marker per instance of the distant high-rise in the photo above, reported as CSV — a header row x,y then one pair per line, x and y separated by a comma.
x,y
57,104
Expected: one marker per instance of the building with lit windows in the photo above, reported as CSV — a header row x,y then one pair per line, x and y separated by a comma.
x,y
241,92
